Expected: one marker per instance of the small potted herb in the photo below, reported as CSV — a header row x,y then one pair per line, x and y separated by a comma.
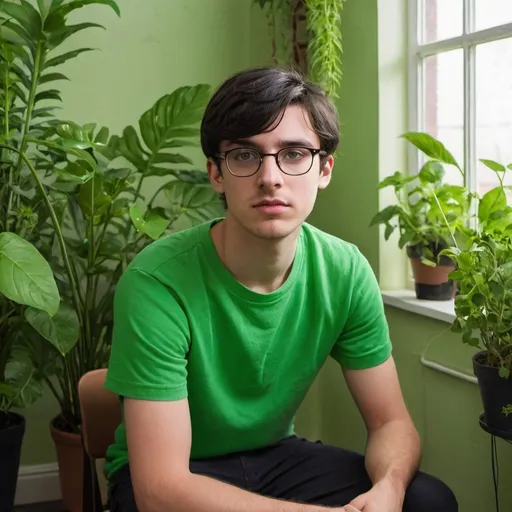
x,y
429,214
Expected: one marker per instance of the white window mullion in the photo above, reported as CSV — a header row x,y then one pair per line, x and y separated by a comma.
x,y
469,98
415,78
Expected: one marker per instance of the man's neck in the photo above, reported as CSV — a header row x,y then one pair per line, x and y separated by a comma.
x,y
259,264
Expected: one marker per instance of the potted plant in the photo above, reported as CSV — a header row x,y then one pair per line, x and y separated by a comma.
x,y
92,216
105,221
26,280
483,305
429,215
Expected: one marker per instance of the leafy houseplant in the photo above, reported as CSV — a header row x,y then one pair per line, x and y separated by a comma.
x,y
429,215
26,279
483,306
86,214
306,34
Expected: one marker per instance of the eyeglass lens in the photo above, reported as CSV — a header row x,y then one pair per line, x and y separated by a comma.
x,y
244,161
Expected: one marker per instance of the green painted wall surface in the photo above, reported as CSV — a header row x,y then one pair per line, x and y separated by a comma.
x,y
155,47
345,208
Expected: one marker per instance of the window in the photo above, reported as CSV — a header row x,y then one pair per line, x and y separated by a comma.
x,y
460,82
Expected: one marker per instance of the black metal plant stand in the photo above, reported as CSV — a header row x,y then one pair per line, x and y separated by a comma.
x,y
495,433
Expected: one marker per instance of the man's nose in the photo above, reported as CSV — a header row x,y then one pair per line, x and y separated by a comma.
x,y
269,174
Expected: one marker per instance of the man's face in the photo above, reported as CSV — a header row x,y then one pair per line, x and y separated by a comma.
x,y
271,204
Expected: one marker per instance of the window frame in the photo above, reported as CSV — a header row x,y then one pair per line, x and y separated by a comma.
x,y
418,51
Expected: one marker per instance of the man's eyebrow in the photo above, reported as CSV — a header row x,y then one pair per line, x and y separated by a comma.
x,y
280,144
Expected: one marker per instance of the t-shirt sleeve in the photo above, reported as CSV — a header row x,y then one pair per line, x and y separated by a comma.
x,y
150,340
364,341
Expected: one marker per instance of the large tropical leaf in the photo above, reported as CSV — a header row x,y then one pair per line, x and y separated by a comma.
x,y
191,204
170,123
20,373
61,330
25,276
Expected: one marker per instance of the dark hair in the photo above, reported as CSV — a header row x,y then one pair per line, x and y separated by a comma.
x,y
250,102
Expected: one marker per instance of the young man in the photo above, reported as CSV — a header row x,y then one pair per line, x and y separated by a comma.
x,y
221,329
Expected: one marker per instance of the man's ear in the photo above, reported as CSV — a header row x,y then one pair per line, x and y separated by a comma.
x,y
326,173
215,175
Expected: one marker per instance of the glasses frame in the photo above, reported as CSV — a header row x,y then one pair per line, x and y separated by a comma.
x,y
314,151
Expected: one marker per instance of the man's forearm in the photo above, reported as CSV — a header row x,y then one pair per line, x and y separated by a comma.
x,y
393,454
197,493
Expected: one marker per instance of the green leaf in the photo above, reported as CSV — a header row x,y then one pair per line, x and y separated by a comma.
x,y
155,224
191,204
26,16
170,158
77,4
473,342
52,94
102,135
15,34
60,59
44,7
7,390
61,330
432,147
137,216
478,299
92,196
388,231
493,201
456,274
495,166
58,36
504,372
432,172
21,374
25,276
385,215
51,77
171,117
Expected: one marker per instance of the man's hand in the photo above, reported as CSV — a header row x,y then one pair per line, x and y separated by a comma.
x,y
382,497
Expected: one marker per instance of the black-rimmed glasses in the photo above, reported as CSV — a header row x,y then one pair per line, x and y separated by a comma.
x,y
244,162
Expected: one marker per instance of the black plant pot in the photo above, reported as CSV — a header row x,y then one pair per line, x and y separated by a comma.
x,y
496,392
12,430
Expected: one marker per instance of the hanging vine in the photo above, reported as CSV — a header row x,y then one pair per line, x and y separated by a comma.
x,y
306,35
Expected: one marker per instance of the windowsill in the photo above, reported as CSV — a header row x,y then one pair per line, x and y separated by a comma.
x,y
406,300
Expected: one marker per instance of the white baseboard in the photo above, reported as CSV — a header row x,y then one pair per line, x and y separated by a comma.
x,y
37,484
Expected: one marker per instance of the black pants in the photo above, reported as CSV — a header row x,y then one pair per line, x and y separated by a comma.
x,y
302,471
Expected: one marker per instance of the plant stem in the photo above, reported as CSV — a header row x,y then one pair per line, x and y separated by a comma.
x,y
51,387
28,114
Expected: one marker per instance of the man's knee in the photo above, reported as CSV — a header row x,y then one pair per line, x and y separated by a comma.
x,y
429,494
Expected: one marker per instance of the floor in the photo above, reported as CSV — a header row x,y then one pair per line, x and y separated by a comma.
x,y
54,506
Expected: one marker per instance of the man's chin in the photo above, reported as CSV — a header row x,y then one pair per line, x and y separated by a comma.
x,y
274,229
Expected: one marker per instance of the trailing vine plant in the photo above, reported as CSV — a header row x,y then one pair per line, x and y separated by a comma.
x,y
306,35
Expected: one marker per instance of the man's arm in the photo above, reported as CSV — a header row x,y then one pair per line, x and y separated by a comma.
x,y
159,441
393,448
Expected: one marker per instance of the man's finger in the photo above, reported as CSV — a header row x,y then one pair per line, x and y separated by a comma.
x,y
350,508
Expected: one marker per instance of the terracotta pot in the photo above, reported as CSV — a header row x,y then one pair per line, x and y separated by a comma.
x,y
432,283
70,459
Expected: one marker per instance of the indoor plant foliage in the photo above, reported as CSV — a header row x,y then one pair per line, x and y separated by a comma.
x,y
75,192
429,216
306,34
483,306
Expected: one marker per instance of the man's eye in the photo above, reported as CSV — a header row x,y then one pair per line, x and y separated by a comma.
x,y
294,154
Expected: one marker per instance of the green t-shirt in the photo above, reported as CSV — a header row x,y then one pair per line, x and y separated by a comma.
x,y
184,327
